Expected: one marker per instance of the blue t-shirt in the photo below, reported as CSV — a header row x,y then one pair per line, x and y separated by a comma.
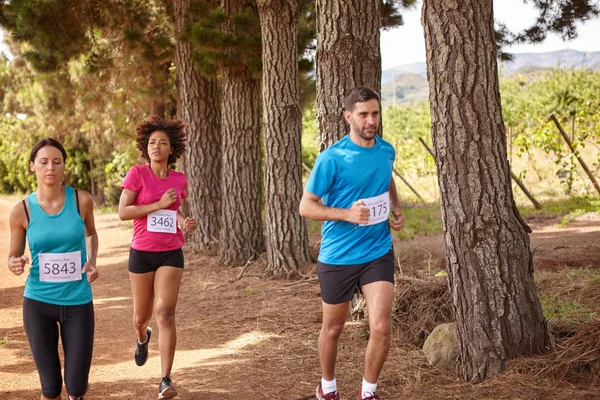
x,y
343,174
59,233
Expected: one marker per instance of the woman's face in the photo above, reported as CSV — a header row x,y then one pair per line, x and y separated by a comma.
x,y
159,146
48,165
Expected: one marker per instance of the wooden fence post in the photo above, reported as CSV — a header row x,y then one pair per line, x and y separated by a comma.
x,y
583,164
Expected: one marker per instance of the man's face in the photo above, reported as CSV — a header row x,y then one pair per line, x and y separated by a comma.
x,y
364,119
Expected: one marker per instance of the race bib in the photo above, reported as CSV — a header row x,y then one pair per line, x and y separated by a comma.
x,y
164,221
379,208
60,267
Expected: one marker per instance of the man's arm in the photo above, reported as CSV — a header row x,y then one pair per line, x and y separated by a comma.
x,y
312,208
398,220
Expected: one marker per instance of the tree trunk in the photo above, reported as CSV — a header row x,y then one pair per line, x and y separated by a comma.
x,y
489,262
241,224
200,108
348,55
287,234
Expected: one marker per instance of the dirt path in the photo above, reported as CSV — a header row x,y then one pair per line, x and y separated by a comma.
x,y
237,339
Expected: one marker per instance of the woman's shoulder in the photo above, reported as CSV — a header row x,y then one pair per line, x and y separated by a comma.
x,y
177,175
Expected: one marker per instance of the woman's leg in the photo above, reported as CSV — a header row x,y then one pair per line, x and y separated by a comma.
x,y
142,289
77,334
167,282
41,326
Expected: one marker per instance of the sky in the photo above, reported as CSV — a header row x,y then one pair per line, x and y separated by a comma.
x,y
406,44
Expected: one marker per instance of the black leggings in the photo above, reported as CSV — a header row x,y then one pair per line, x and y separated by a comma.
x,y
41,322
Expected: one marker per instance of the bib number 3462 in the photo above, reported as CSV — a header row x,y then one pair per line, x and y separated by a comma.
x,y
164,221
60,267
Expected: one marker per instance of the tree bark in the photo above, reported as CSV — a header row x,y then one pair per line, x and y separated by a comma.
x,y
348,55
241,229
287,234
200,108
490,265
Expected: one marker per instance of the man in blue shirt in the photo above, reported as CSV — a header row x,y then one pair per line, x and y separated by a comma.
x,y
351,188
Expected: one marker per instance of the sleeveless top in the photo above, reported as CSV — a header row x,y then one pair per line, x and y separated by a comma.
x,y
56,234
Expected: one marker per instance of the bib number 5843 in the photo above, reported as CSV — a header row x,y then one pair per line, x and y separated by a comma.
x,y
60,267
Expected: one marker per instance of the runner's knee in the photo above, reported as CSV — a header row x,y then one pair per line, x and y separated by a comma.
x,y
381,329
333,330
165,316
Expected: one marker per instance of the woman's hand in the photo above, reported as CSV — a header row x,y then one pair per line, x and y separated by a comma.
x,y
17,264
168,198
190,224
92,272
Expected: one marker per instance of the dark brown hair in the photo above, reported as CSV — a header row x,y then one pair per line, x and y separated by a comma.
x,y
47,142
360,94
174,129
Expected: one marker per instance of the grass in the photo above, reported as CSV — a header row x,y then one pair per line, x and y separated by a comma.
x,y
568,208
564,310
3,341
421,219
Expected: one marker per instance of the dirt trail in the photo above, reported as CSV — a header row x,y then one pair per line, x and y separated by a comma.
x,y
237,339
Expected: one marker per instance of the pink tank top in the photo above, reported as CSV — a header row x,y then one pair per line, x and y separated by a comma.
x,y
152,232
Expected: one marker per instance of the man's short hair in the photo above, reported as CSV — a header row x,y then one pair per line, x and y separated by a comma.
x,y
360,94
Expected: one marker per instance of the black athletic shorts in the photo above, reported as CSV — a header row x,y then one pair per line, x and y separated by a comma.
x,y
339,282
42,321
141,262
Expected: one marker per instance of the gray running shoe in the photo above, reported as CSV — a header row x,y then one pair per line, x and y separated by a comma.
x,y
166,390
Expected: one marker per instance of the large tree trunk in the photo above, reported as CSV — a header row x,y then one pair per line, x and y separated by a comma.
x,y
348,55
287,234
241,224
490,266
200,108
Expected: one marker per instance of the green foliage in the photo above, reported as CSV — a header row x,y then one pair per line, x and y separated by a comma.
x,y
571,95
309,136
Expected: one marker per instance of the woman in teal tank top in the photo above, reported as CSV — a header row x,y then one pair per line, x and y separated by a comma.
x,y
55,222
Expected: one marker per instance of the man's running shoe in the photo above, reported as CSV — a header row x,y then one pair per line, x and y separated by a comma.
x,y
368,397
166,390
141,350
328,396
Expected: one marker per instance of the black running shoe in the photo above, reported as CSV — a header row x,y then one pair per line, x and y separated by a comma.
x,y
141,350
166,390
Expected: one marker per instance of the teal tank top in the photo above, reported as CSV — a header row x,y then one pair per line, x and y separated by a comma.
x,y
59,234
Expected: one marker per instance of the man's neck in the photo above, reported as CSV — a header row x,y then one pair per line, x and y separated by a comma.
x,y
359,141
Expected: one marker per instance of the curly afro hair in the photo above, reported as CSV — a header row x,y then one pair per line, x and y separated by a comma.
x,y
174,129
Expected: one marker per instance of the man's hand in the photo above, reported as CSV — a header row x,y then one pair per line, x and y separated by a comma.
x,y
398,222
358,213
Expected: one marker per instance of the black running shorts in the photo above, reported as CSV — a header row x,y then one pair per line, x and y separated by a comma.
x,y
141,262
339,282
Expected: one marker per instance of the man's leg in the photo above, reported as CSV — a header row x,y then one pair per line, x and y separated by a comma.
x,y
379,297
334,317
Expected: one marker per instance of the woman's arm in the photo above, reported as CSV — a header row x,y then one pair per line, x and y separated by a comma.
x,y
127,211
18,226
87,214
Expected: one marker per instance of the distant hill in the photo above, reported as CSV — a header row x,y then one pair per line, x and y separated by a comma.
x,y
562,58
411,79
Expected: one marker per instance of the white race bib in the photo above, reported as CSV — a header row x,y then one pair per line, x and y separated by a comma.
x,y
379,208
162,221
60,267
